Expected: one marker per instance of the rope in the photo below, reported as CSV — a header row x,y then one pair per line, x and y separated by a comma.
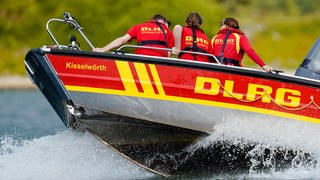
x,y
314,103
272,99
241,100
290,109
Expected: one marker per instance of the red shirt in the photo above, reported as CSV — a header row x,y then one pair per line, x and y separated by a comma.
x,y
203,43
237,44
151,32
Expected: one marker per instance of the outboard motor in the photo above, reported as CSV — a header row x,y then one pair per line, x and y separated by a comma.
x,y
310,67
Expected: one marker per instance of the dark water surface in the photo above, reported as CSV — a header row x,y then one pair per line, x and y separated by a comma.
x,y
27,115
34,144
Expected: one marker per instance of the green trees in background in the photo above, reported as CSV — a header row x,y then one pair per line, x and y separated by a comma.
x,y
281,31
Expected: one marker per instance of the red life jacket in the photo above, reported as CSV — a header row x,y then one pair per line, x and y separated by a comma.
x,y
201,44
150,34
236,45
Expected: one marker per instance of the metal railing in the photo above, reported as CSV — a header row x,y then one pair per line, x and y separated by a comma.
x,y
68,19
167,49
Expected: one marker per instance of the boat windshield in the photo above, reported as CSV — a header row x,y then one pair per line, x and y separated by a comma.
x,y
310,66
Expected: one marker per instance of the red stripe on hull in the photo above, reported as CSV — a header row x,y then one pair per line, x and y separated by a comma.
x,y
98,73
152,80
135,77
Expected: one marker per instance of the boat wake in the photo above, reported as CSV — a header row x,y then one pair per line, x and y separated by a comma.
x,y
66,155
248,147
237,148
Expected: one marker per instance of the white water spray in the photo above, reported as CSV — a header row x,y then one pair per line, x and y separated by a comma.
x,y
67,155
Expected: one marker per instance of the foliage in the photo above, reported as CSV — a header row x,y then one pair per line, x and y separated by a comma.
x,y
280,31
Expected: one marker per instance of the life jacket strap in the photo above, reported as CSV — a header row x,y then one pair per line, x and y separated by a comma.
x,y
228,61
191,48
152,42
221,56
194,41
164,33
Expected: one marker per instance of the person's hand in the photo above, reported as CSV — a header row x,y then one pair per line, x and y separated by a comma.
x,y
98,49
267,68
175,51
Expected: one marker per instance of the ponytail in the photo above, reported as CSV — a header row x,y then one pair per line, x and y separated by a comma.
x,y
194,20
231,22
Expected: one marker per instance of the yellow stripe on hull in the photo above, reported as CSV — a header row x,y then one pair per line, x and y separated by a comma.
x,y
193,101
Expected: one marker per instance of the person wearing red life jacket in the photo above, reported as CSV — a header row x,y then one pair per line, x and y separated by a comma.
x,y
153,33
191,38
230,44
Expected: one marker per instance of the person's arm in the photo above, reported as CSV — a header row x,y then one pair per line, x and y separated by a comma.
x,y
115,43
170,40
245,45
177,31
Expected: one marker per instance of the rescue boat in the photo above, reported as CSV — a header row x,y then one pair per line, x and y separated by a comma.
x,y
145,107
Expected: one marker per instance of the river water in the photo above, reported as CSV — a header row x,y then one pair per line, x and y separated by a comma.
x,y
34,144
